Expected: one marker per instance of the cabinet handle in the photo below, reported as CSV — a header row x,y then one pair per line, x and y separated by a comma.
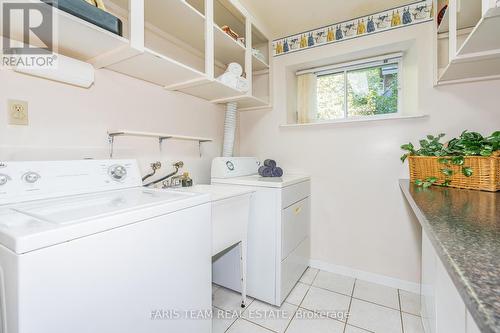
x,y
298,210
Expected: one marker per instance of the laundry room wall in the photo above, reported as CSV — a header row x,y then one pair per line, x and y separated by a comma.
x,y
67,122
361,224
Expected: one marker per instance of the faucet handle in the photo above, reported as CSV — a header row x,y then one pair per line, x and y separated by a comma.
x,y
156,165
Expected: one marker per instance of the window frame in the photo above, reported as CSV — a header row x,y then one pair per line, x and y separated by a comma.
x,y
344,68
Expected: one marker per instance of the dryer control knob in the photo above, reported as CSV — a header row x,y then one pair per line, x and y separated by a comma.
x,y
4,179
117,172
31,177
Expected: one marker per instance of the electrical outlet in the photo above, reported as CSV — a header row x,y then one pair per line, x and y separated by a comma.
x,y
17,112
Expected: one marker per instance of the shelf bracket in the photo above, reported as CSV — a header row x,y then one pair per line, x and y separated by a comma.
x,y
161,139
200,145
111,141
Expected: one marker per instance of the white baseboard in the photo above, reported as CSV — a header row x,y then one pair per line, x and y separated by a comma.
x,y
366,276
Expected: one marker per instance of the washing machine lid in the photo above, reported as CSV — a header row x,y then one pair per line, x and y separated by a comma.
x,y
31,225
258,181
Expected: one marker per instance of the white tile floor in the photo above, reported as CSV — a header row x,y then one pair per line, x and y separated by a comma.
x,y
311,308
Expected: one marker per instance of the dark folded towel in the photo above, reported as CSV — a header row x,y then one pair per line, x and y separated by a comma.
x,y
270,163
265,171
277,172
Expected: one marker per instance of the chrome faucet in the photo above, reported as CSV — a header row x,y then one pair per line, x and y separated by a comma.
x,y
176,166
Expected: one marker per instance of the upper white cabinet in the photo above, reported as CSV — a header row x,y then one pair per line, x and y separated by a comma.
x,y
467,41
178,44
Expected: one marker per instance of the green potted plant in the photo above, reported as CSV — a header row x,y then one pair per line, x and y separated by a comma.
x,y
469,161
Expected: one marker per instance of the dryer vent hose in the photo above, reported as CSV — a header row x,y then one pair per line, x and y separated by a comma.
x,y
229,129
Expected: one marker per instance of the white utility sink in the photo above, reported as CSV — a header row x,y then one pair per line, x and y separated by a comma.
x,y
230,215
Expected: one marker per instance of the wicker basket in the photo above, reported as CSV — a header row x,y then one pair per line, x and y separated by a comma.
x,y
485,177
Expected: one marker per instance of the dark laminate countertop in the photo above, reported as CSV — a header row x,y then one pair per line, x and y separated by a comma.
x,y
464,227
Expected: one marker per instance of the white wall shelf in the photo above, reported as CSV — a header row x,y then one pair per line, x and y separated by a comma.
x,y
153,67
159,136
245,102
177,18
177,44
467,43
467,16
484,37
208,90
162,136
227,49
259,65
91,40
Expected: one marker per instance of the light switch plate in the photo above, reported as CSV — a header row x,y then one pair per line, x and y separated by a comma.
x,y
17,112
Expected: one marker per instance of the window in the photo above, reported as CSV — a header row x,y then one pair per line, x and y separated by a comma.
x,y
367,88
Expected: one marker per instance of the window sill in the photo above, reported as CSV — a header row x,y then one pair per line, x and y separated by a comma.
x,y
356,120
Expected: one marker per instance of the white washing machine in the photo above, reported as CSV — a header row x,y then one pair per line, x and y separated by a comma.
x,y
278,243
85,248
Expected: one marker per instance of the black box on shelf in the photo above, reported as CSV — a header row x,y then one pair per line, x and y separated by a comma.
x,y
89,13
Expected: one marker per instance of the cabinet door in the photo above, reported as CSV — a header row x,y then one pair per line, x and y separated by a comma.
x,y
428,305
450,309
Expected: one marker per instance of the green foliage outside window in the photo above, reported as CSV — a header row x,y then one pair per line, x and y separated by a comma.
x,y
370,91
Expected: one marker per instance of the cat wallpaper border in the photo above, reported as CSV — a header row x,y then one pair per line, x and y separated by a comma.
x,y
394,18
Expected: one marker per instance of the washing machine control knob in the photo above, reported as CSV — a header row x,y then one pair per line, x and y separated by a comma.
x,y
4,179
31,177
117,172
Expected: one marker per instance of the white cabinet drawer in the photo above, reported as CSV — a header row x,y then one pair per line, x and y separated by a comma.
x,y
294,193
293,267
294,226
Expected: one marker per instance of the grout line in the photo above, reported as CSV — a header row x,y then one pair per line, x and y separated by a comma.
x,y
399,301
333,291
290,322
382,305
303,298
300,303
315,276
415,315
277,309
361,328
227,329
321,315
251,322
400,312
350,304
